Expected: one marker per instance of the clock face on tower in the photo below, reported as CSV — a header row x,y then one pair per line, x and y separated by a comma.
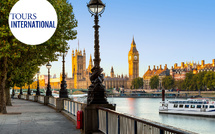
x,y
135,57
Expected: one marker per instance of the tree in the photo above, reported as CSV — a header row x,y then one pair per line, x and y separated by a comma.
x,y
179,84
11,50
188,80
168,82
209,79
154,82
193,83
199,82
137,83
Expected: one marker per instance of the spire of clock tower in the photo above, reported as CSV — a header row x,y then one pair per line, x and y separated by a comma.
x,y
133,46
133,61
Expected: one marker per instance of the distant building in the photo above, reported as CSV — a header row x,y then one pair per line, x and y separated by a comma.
x,y
160,72
116,81
81,75
177,72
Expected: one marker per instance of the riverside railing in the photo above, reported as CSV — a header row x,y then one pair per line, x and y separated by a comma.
x,y
112,122
72,107
41,99
23,96
52,101
31,97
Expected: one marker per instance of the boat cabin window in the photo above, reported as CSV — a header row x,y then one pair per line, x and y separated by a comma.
x,y
175,105
186,106
198,106
211,106
206,106
192,106
180,106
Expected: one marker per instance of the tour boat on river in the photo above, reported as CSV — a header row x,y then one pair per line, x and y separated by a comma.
x,y
200,107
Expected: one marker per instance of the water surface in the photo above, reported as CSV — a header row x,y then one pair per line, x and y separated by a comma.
x,y
148,108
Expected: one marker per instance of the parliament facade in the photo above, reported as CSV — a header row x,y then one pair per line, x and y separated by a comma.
x,y
81,75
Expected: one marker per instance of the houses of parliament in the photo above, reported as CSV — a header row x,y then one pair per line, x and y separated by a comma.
x,y
81,75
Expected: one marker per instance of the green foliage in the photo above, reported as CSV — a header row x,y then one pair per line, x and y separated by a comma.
x,y
154,82
137,83
168,82
200,81
209,80
23,60
188,80
179,84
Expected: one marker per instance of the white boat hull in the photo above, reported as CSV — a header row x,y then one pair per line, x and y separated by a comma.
x,y
189,107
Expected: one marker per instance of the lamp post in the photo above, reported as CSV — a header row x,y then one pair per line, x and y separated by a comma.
x,y
21,91
38,84
48,91
29,90
13,92
63,90
96,91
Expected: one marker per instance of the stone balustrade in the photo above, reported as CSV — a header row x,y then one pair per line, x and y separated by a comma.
x,y
98,118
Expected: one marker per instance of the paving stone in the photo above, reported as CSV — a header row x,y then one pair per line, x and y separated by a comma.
x,y
35,118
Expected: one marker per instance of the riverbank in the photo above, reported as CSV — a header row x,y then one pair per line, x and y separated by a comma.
x,y
155,94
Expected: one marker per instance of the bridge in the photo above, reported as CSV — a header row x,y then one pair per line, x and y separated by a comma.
x,y
43,114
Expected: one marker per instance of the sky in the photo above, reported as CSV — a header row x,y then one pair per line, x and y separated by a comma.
x,y
165,32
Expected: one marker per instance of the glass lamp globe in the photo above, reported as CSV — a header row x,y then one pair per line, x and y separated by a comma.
x,y
96,6
48,66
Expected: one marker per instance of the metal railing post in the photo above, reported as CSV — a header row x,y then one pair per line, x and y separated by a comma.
x,y
118,124
98,117
74,108
106,122
135,127
161,131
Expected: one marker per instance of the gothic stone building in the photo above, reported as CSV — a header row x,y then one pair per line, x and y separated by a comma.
x,y
81,75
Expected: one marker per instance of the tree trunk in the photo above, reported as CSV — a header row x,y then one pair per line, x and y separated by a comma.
x,y
3,77
199,92
8,97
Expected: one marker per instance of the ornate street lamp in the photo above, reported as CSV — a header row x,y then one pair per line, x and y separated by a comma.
x,y
96,91
21,91
13,92
38,84
48,91
29,90
63,90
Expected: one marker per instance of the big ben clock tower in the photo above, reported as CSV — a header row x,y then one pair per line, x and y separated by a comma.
x,y
133,61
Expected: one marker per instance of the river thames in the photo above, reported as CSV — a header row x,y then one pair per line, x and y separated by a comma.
x,y
148,108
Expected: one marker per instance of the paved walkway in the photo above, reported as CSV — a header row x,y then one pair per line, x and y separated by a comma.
x,y
35,118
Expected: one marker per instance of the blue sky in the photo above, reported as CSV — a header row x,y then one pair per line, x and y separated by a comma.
x,y
165,32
